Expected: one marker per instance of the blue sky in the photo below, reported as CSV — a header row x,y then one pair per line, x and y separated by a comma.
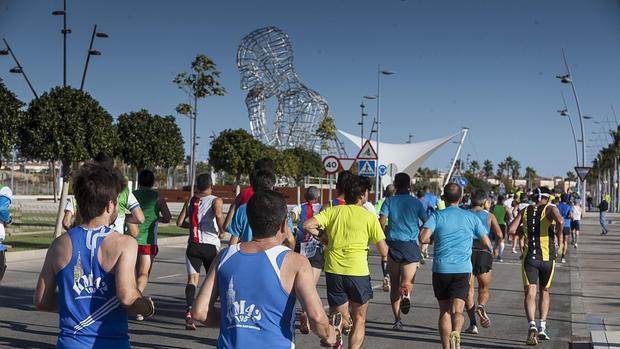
x,y
488,65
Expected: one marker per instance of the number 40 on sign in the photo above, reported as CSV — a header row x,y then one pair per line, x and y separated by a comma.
x,y
331,164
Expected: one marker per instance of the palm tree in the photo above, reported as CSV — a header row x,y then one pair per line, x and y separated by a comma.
x,y
530,175
487,168
474,167
515,167
570,176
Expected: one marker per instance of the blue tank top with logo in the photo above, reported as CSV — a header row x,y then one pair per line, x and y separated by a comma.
x,y
256,310
90,314
483,216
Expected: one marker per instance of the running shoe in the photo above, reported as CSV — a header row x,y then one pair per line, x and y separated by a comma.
x,y
575,245
386,284
422,259
563,260
455,340
500,259
542,335
485,321
139,317
398,326
514,251
405,301
189,322
346,330
532,336
472,329
304,327
425,254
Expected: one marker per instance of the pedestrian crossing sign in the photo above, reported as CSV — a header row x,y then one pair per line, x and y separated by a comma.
x,y
367,168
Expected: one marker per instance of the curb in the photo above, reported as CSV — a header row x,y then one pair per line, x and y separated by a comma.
x,y
21,256
580,333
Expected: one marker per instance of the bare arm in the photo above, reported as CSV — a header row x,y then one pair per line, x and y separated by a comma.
x,y
289,239
136,216
425,236
512,228
126,288
311,302
311,226
231,211
67,220
486,241
46,293
383,221
218,205
559,221
165,215
181,219
133,229
383,249
203,309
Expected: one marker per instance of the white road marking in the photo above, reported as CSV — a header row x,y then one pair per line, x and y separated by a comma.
x,y
168,276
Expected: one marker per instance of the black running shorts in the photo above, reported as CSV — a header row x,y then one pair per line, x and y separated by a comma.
x,y
481,261
566,231
536,271
575,225
404,251
344,288
198,255
450,286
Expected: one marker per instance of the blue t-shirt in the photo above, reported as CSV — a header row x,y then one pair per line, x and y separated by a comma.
x,y
431,200
240,227
403,212
565,210
454,231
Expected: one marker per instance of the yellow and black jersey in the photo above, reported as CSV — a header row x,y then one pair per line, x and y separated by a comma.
x,y
539,233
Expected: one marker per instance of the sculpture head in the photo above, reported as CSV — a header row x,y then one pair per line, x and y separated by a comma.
x,y
264,57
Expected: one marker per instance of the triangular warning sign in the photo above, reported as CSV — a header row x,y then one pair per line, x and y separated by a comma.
x,y
582,172
367,152
347,163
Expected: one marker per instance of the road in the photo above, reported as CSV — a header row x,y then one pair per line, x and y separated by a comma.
x,y
23,327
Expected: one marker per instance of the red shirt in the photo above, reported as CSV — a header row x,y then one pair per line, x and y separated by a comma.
x,y
245,195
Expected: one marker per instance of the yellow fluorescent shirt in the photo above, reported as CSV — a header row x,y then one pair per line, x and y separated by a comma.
x,y
350,229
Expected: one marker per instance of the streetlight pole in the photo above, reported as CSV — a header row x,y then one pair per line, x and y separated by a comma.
x,y
64,32
18,69
91,52
568,79
564,112
361,123
379,189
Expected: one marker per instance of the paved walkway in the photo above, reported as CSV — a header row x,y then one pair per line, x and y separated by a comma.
x,y
595,281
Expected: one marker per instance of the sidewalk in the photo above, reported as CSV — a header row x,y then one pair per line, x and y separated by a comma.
x,y
595,281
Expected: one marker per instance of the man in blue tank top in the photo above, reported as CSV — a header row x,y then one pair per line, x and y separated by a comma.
x,y
258,282
93,268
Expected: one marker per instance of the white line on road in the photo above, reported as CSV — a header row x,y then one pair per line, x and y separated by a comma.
x,y
168,276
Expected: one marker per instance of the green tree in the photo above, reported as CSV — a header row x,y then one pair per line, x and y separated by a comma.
x,y
474,167
487,168
200,83
530,175
326,132
235,152
68,125
310,163
149,140
571,177
10,119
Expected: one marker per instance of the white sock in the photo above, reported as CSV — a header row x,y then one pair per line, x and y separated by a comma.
x,y
501,249
543,325
532,324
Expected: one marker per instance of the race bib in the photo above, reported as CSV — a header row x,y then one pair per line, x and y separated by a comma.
x,y
308,249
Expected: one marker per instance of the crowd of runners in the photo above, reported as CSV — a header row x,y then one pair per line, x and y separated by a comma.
x,y
96,274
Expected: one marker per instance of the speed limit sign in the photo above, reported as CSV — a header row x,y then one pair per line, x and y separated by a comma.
x,y
331,164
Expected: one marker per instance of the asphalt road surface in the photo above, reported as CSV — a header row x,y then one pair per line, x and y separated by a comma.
x,y
23,327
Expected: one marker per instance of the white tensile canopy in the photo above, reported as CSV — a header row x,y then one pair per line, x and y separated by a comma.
x,y
407,157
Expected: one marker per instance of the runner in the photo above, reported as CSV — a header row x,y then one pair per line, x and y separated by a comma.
x,y
128,205
603,206
343,177
348,230
367,186
575,224
502,216
430,198
155,210
482,265
390,190
424,247
518,240
566,211
261,164
539,258
88,276
404,213
258,282
202,214
6,199
239,228
307,245
453,230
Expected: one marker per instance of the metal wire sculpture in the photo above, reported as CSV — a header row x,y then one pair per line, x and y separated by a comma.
x,y
265,62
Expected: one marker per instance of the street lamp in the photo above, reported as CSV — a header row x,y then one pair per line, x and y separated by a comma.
x,y
568,79
18,69
91,52
361,123
64,32
410,138
564,112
